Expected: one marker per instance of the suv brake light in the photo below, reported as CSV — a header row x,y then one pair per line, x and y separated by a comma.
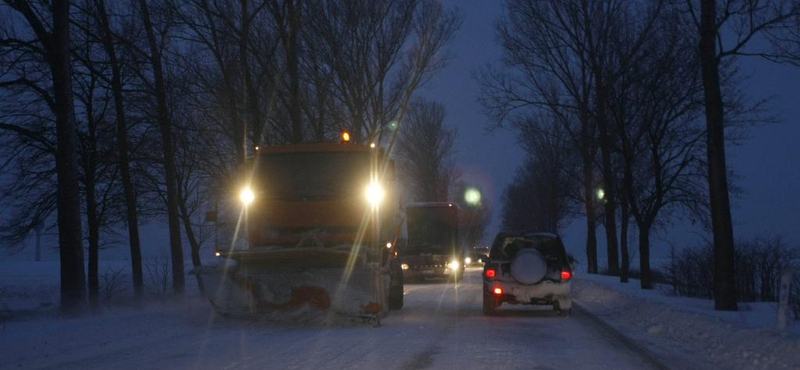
x,y
490,273
566,275
498,291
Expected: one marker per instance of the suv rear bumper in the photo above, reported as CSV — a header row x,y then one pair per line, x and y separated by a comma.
x,y
545,292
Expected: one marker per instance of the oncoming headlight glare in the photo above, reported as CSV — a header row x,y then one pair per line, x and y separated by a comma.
x,y
467,260
375,194
454,265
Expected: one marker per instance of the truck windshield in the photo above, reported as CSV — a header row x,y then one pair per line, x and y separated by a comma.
x,y
313,175
431,230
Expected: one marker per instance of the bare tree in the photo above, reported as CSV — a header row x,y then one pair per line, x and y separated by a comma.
x,y
379,53
785,42
725,28
287,14
94,134
655,106
52,37
603,23
546,74
541,196
154,56
132,220
425,148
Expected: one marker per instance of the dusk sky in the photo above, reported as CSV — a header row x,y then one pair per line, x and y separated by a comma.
x,y
765,164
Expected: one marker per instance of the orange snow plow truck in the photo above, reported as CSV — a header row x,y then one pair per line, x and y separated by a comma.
x,y
321,221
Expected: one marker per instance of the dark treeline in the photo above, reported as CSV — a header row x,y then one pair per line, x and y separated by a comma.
x,y
113,113
635,101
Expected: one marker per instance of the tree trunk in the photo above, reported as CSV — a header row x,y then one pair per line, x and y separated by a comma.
x,y
644,257
193,243
292,68
609,199
722,226
591,223
94,235
92,217
623,236
132,217
239,133
178,280
254,112
73,279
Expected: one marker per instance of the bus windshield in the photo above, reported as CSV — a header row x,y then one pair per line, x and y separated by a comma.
x,y
431,230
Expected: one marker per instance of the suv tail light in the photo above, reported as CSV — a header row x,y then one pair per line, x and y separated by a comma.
x,y
498,291
566,275
491,273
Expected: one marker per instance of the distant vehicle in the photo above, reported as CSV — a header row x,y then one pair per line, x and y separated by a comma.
x,y
320,221
433,249
527,268
477,256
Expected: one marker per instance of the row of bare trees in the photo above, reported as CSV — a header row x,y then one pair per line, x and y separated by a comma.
x,y
643,95
114,113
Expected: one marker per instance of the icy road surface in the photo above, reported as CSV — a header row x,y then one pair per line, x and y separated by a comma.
x,y
440,327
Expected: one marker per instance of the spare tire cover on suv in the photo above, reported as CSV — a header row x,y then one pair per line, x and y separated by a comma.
x,y
528,266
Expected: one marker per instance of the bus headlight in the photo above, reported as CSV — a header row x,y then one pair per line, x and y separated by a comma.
x,y
375,194
454,265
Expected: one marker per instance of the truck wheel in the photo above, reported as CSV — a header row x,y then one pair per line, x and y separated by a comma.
x,y
489,305
396,289
396,297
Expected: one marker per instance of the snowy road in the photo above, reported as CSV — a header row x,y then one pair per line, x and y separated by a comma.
x,y
439,327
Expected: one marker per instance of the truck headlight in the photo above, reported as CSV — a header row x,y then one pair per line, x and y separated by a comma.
x,y
375,194
247,196
454,265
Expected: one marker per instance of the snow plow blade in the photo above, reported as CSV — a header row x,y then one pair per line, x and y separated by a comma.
x,y
310,280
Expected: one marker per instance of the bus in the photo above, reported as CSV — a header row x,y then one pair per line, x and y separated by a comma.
x,y
433,249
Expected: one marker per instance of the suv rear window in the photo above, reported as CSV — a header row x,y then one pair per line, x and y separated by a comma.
x,y
507,247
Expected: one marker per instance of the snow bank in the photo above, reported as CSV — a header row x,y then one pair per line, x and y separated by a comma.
x,y
32,288
676,327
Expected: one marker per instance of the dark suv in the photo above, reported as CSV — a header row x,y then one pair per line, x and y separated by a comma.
x,y
527,268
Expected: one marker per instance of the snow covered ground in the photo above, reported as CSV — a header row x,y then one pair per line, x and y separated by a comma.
x,y
441,326
670,325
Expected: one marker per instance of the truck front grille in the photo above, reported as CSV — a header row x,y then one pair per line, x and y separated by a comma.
x,y
432,266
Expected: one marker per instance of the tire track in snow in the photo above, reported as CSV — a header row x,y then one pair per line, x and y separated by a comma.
x,y
616,337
